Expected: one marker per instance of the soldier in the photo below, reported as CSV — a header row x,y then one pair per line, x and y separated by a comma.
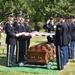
x,y
61,42
27,20
69,34
19,40
10,39
24,38
72,36
50,27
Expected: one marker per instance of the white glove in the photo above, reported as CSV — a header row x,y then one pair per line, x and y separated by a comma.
x,y
48,21
17,35
55,26
51,36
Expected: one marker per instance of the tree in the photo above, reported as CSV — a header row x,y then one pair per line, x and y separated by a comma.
x,y
39,10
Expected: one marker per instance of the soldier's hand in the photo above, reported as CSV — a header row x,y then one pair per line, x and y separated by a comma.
x,y
17,35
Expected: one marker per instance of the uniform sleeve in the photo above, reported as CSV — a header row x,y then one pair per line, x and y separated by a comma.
x,y
73,26
28,28
59,29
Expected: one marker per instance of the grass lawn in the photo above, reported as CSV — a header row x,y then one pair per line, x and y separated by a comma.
x,y
68,70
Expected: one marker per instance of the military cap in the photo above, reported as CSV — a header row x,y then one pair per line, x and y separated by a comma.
x,y
10,14
19,13
51,18
27,17
62,16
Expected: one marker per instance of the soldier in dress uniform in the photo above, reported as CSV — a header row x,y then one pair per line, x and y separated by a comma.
x,y
72,44
67,19
10,39
61,42
27,20
24,38
49,27
20,45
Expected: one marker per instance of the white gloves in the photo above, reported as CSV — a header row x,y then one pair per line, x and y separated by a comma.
x,y
17,35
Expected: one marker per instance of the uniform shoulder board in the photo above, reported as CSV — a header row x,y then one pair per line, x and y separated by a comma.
x,y
6,24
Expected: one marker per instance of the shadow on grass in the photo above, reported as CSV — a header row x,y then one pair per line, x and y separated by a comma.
x,y
3,59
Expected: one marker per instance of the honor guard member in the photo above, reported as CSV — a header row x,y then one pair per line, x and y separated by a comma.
x,y
19,41
68,22
61,42
27,20
50,27
10,39
72,44
24,38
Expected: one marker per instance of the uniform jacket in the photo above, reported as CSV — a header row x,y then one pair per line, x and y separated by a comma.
x,y
69,31
73,31
28,28
27,25
10,33
18,26
61,34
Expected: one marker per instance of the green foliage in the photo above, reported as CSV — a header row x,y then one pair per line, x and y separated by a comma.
x,y
40,10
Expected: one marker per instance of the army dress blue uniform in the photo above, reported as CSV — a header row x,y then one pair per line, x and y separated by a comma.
x,y
28,29
69,38
61,44
72,39
20,42
10,41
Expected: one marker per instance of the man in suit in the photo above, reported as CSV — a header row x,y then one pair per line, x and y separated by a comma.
x,y
10,39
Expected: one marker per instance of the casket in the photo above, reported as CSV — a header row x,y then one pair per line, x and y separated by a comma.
x,y
41,53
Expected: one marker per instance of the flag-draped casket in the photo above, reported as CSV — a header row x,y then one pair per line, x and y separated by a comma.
x,y
41,53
